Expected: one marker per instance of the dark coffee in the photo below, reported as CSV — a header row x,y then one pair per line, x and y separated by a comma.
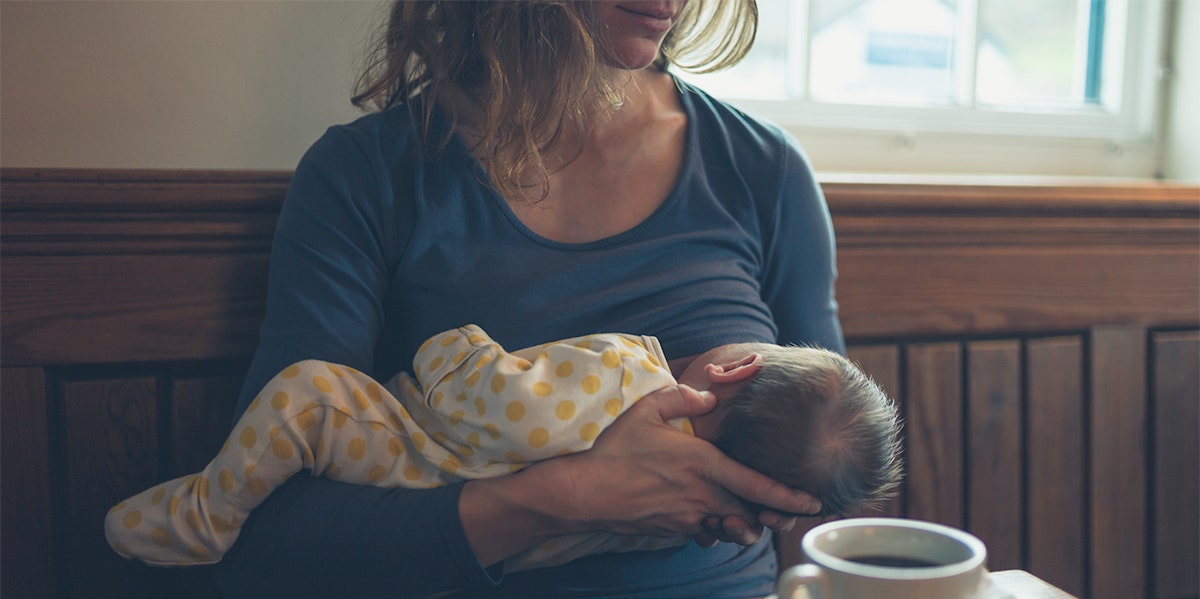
x,y
893,561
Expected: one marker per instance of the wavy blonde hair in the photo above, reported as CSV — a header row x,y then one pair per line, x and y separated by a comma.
x,y
521,73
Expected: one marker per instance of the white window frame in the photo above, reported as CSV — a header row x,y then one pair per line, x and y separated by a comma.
x,y
1119,138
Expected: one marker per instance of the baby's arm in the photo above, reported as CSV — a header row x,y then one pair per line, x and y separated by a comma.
x,y
503,409
333,420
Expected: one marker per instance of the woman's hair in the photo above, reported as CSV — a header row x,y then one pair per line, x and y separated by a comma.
x,y
520,73
814,421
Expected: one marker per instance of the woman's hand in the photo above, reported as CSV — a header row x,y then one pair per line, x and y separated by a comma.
x,y
643,477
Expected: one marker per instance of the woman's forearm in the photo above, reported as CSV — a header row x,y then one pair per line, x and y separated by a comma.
x,y
319,538
506,515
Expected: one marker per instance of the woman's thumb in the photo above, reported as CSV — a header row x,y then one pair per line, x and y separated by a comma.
x,y
681,401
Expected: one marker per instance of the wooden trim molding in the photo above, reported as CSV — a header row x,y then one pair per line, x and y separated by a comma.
x,y
924,258
103,266
58,212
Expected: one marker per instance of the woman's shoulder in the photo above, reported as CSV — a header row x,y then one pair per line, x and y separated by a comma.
x,y
720,121
385,146
759,153
377,133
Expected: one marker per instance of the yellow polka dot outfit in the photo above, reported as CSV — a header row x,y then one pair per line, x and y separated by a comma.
x,y
479,412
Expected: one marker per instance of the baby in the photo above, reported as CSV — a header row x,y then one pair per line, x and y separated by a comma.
x,y
804,416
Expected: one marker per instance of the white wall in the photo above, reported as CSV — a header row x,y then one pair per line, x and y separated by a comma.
x,y
250,84
192,84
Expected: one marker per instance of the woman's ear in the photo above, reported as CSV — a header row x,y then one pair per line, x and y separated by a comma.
x,y
734,372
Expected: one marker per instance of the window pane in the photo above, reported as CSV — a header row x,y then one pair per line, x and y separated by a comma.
x,y
884,51
1034,52
763,73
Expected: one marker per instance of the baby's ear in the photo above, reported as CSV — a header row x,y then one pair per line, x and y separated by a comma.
x,y
734,372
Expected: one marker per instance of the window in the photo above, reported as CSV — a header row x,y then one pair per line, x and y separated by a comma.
x,y
1069,76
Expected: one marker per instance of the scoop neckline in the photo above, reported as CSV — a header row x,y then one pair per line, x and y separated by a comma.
x,y
673,197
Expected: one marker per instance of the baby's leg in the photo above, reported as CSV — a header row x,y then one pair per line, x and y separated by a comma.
x,y
313,415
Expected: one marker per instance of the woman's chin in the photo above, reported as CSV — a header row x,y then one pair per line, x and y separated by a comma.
x,y
633,55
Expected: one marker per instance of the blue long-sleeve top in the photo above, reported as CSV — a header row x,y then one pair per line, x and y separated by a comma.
x,y
380,245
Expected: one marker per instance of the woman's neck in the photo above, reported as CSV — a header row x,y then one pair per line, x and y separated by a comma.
x,y
644,95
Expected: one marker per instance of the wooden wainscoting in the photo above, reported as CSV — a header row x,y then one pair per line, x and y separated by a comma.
x,y
1042,338
1071,454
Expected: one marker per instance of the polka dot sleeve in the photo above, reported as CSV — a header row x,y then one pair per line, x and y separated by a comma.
x,y
535,403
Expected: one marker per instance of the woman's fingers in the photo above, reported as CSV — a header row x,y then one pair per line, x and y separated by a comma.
x,y
732,529
780,523
739,531
705,539
744,482
728,529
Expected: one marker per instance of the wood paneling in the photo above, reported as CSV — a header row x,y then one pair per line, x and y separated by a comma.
x,y
994,450
1175,561
113,447
27,517
1118,462
994,289
112,267
201,412
1041,342
933,408
1056,495
110,448
1014,256
155,307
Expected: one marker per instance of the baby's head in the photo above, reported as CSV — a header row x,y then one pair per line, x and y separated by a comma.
x,y
807,417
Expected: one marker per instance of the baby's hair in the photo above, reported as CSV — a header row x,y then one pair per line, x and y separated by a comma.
x,y
813,420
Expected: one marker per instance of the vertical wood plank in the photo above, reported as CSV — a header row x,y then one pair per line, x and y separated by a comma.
x,y
1118,462
201,417
882,363
994,511
26,518
1176,557
933,401
1056,466
111,452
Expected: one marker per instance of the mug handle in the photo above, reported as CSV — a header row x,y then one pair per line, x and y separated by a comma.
x,y
803,576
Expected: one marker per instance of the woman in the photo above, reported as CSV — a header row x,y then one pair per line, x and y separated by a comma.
x,y
535,170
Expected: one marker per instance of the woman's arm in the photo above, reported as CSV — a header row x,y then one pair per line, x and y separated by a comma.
x,y
314,537
329,274
800,258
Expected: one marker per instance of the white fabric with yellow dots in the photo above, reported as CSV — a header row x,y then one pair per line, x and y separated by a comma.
x,y
484,412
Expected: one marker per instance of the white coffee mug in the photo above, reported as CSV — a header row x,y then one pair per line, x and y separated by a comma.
x,y
896,558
